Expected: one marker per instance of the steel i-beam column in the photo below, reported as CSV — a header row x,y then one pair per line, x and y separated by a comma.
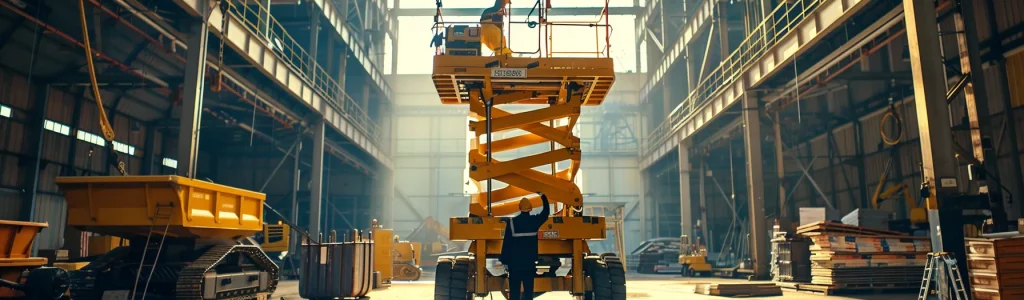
x,y
645,182
780,171
976,97
938,167
316,178
296,176
685,201
703,203
314,37
755,183
192,96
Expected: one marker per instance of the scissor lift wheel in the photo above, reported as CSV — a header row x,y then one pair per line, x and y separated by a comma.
x,y
607,277
453,277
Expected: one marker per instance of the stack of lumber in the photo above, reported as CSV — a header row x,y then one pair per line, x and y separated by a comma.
x,y
996,267
738,289
845,257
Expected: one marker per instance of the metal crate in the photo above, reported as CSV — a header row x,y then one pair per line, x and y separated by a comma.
x,y
792,261
336,270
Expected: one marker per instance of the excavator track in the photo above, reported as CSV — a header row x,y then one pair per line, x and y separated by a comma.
x,y
191,279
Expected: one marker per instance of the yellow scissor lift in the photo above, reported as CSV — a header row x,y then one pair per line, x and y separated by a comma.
x,y
559,86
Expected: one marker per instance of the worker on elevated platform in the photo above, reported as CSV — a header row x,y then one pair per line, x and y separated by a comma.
x,y
519,249
491,23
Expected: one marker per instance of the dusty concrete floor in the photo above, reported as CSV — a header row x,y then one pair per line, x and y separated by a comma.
x,y
638,286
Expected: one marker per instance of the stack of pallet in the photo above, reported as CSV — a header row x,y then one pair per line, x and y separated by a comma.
x,y
845,257
738,289
996,268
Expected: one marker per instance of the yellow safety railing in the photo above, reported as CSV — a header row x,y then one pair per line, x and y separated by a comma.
x,y
765,36
545,35
258,19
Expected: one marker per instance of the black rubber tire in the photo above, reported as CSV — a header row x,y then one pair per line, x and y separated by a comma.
x,y
617,276
600,277
459,288
443,278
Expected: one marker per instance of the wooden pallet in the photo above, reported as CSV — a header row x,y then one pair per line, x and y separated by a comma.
x,y
738,289
827,290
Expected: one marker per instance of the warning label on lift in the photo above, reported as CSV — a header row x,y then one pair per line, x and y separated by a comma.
x,y
508,73
549,235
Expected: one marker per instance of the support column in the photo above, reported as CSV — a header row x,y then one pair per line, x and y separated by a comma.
x,y
296,177
192,97
342,67
692,69
939,170
755,184
316,178
314,39
76,117
365,103
977,108
149,154
685,199
645,182
703,204
34,146
780,173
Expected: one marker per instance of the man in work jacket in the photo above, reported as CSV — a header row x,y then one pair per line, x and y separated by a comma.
x,y
519,249
491,23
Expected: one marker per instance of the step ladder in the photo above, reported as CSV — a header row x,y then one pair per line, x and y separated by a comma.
x,y
147,263
947,262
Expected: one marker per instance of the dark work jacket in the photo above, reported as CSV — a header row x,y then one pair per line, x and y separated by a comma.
x,y
492,16
519,249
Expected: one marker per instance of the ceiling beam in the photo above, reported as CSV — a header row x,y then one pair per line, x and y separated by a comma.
x,y
555,11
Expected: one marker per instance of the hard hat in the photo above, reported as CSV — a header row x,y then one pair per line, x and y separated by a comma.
x,y
524,205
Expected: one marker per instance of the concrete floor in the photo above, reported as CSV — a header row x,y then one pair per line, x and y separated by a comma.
x,y
639,286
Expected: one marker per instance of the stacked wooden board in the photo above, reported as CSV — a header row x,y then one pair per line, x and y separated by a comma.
x,y
996,268
845,257
738,289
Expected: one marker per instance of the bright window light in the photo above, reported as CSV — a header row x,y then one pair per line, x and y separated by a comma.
x,y
57,127
124,148
5,111
91,138
171,163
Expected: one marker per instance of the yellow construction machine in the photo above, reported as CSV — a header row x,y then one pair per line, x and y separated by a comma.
x,y
918,215
433,238
406,260
189,239
23,276
499,90
693,258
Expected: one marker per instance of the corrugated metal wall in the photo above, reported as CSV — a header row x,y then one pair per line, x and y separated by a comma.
x,y
50,206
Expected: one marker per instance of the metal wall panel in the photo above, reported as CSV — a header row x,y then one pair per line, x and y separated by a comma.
x,y
51,209
14,91
10,204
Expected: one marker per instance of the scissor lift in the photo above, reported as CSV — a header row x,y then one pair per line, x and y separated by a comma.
x,y
557,87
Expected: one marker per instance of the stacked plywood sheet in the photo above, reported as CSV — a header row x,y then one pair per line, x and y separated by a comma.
x,y
996,268
738,289
845,257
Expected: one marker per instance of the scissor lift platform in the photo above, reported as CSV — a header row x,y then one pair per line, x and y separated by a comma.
x,y
453,75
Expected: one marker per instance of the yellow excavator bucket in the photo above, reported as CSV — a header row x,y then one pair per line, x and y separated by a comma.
x,y
127,206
